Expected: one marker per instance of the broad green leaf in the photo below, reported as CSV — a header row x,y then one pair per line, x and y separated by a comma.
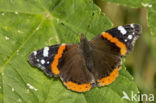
x,y
27,25
150,5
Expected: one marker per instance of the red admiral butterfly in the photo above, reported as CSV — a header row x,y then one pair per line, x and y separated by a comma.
x,y
82,66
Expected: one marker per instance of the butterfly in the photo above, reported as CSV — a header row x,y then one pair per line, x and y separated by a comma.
x,y
84,65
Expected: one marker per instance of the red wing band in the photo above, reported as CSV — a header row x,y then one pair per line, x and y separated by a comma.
x,y
122,46
109,79
78,87
55,62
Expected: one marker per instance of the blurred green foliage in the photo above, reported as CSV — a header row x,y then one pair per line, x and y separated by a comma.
x,y
141,63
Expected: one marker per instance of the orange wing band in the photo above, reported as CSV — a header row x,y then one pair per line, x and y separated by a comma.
x,y
109,79
54,64
78,87
122,46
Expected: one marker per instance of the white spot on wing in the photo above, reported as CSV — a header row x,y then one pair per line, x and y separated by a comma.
x,y
46,51
47,62
38,60
35,53
122,30
126,40
132,25
31,87
130,36
42,61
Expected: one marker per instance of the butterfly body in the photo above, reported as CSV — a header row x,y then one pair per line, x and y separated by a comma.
x,y
82,66
87,51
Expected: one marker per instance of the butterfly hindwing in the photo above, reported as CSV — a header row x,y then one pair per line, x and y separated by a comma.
x,y
74,72
106,57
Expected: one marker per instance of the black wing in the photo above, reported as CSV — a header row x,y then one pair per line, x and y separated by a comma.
x,y
46,57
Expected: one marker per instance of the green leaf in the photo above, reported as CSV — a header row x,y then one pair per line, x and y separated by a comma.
x,y
27,25
150,6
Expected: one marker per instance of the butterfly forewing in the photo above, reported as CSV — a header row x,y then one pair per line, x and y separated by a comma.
x,y
43,58
127,34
